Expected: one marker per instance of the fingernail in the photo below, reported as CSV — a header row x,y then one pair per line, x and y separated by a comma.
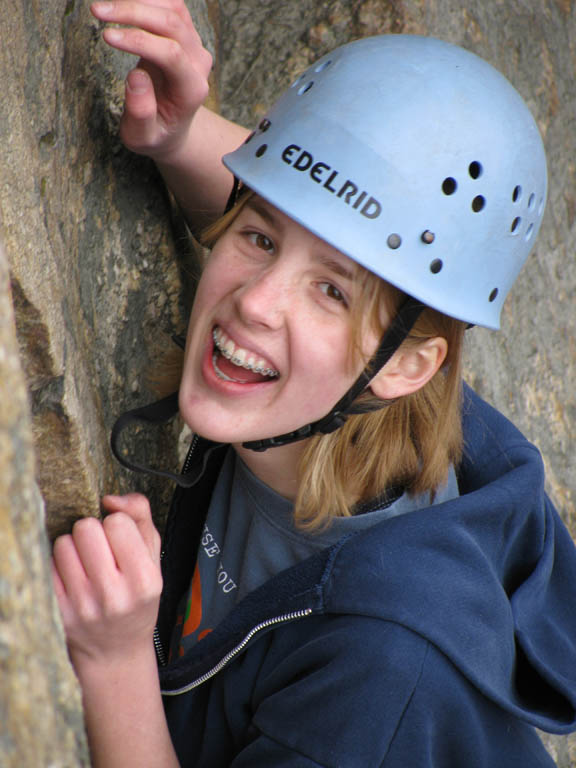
x,y
113,35
111,499
138,81
103,9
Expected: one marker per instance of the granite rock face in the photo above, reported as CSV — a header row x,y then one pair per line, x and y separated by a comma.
x,y
91,271
99,281
41,721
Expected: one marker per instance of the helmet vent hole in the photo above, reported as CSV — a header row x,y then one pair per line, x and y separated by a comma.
x,y
305,88
261,150
531,201
322,66
449,185
394,241
475,170
264,124
478,203
493,295
529,231
436,266
515,227
516,194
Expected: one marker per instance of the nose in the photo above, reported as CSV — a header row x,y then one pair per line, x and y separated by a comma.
x,y
266,296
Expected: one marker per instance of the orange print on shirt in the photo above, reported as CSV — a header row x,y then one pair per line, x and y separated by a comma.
x,y
193,615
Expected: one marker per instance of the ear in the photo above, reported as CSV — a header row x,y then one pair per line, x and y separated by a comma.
x,y
409,369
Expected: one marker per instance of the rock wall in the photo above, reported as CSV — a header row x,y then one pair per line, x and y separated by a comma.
x,y
99,273
40,712
98,284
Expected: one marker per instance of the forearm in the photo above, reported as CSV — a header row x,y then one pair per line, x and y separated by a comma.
x,y
107,581
195,173
124,714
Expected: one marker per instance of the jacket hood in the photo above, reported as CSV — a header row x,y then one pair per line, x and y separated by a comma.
x,y
487,578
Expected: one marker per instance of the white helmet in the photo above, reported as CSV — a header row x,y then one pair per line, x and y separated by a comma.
x,y
415,158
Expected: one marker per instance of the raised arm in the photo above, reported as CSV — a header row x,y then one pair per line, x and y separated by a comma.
x,y
164,117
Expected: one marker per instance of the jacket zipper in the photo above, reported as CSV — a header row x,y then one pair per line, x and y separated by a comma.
x,y
160,652
238,649
188,458
160,655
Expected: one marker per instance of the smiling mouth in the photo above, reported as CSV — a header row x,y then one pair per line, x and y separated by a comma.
x,y
233,363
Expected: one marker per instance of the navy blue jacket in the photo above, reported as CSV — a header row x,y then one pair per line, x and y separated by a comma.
x,y
436,639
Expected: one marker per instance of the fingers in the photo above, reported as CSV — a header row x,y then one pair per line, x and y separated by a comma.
x,y
84,561
176,59
108,564
136,549
139,127
107,584
72,586
155,31
170,81
137,508
163,19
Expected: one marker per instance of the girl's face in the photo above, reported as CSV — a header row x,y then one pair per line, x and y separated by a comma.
x,y
274,297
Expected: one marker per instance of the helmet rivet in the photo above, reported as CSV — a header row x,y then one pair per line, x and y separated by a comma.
x,y
428,237
436,266
394,241
264,125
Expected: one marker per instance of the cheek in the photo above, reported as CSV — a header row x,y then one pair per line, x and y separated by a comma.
x,y
214,284
324,356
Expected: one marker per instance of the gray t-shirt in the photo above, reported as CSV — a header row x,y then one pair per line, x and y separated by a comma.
x,y
249,536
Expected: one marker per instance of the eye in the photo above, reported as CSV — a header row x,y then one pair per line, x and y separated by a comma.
x,y
332,292
260,241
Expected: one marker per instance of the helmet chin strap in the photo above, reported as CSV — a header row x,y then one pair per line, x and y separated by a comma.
x,y
400,327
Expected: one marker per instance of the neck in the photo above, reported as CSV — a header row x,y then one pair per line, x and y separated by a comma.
x,y
277,467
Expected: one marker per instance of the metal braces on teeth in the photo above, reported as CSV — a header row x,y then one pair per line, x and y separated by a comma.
x,y
229,356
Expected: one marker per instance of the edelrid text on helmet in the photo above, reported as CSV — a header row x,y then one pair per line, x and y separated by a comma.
x,y
332,181
414,157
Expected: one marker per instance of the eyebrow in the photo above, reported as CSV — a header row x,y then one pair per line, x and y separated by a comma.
x,y
262,210
337,267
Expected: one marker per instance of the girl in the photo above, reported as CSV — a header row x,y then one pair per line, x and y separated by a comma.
x,y
360,565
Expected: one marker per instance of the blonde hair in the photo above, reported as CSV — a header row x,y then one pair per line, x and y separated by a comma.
x,y
410,443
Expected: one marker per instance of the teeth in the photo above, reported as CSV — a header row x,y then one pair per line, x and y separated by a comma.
x,y
239,356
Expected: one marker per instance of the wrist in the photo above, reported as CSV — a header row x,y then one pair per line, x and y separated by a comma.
x,y
119,666
174,153
123,711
